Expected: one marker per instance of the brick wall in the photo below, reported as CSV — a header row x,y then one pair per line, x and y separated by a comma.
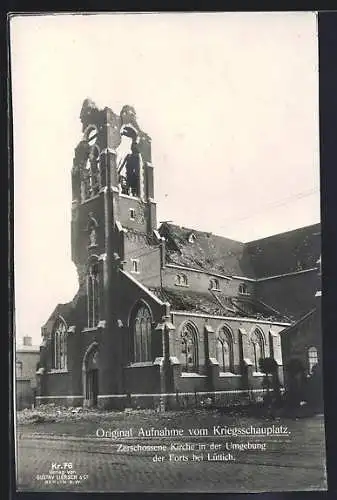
x,y
137,247
200,281
140,213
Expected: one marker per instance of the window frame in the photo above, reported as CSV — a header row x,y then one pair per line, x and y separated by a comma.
x,y
135,266
60,345
132,212
215,284
243,289
142,335
257,339
224,337
94,297
312,353
189,332
181,280
91,174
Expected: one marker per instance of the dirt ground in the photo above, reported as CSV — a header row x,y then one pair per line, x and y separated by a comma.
x,y
201,460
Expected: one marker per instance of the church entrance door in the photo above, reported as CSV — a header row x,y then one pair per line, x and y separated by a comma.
x,y
92,387
90,371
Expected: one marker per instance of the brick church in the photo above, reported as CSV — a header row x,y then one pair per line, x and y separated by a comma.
x,y
163,311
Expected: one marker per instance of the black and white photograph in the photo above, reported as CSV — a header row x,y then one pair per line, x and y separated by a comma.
x,y
167,252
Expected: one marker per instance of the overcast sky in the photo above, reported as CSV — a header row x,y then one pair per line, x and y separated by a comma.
x,y
230,101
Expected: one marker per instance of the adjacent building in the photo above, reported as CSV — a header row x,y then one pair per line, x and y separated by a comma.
x,y
26,364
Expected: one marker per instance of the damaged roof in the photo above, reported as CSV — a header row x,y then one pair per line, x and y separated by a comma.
x,y
205,251
65,310
146,240
283,253
216,304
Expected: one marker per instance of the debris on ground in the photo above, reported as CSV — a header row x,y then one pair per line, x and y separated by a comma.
x,y
52,413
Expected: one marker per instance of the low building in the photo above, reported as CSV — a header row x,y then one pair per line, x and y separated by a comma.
x,y
302,355
26,364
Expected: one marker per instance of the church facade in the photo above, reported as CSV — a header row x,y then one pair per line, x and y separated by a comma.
x,y
162,311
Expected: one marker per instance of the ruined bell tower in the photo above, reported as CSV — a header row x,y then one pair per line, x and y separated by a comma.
x,y
112,185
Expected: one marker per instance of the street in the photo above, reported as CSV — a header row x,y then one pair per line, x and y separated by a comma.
x,y
70,463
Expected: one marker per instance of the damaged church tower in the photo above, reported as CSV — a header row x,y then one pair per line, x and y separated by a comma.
x,y
110,188
113,213
112,181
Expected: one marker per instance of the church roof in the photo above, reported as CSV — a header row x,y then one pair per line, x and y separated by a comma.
x,y
288,252
205,251
275,255
145,240
215,304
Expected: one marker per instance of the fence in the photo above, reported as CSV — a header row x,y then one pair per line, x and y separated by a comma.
x,y
198,400
217,399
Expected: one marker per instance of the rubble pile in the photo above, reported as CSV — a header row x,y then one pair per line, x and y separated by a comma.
x,y
53,413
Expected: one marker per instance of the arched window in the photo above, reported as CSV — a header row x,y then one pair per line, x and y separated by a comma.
x,y
243,289
92,231
59,345
94,298
224,351
181,280
214,284
142,335
91,181
189,348
95,172
258,349
129,162
312,358
184,280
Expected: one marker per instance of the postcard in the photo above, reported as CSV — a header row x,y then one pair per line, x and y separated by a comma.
x,y
167,252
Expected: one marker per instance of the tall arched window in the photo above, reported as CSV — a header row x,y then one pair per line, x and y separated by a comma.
x,y
224,351
95,171
258,349
312,358
92,231
142,335
189,348
129,162
94,297
59,345
91,179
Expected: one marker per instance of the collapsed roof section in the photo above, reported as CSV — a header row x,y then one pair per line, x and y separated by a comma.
x,y
288,252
